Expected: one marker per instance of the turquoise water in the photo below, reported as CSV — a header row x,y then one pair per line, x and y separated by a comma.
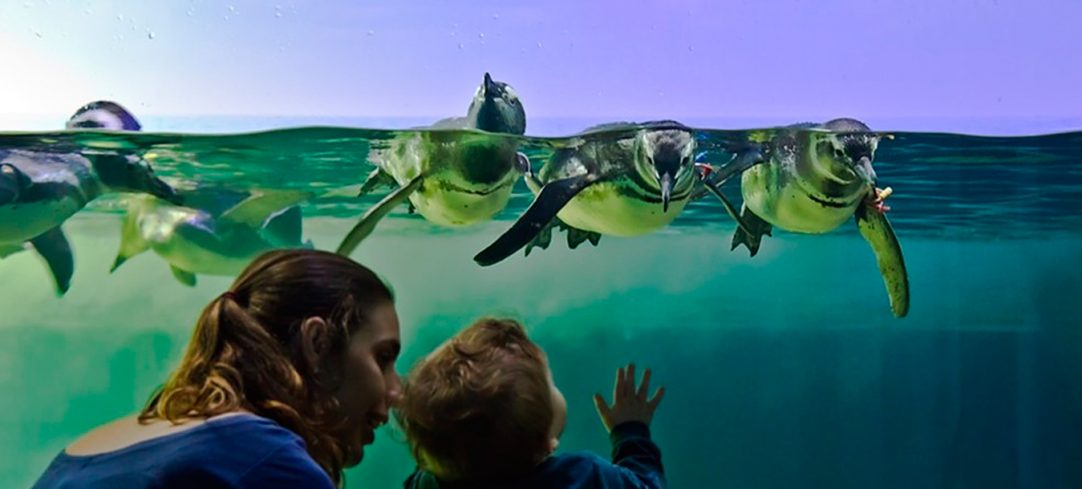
x,y
782,370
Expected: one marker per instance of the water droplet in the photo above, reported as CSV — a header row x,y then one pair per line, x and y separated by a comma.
x,y
120,17
278,14
495,16
459,45
691,48
481,35
37,33
150,35
539,44
371,32
232,8
88,11
26,4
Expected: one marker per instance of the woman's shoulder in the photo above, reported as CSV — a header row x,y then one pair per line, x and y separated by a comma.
x,y
235,447
130,434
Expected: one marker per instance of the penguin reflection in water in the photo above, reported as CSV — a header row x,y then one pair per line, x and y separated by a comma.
x,y
40,190
218,233
811,179
451,173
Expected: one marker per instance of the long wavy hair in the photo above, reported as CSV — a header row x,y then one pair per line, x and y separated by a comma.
x,y
246,353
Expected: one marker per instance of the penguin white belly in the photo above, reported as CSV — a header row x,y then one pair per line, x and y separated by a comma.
x,y
446,197
194,255
603,209
454,208
784,204
24,221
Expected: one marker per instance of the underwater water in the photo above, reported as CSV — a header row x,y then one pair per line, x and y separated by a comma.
x,y
785,369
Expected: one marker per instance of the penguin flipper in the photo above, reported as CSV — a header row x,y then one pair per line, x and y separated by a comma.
x,y
131,240
729,208
285,227
183,276
877,231
53,246
553,197
751,233
368,222
12,183
378,178
260,207
743,158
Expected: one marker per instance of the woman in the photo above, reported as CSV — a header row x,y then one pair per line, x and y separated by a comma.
x,y
286,378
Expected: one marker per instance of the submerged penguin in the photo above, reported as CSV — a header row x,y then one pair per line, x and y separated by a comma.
x,y
201,241
622,180
453,178
41,190
815,177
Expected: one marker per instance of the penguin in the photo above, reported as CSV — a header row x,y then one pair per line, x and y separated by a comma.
x,y
811,179
201,241
40,190
623,179
456,172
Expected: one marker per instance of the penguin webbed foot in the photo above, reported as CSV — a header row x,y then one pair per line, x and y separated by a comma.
x,y
751,233
576,236
543,238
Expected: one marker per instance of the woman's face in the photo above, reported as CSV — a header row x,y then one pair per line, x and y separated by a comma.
x,y
370,385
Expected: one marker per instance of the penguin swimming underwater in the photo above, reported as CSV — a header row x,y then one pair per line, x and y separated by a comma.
x,y
453,178
40,190
813,178
622,180
202,241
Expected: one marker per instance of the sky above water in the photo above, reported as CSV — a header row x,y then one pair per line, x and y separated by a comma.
x,y
781,59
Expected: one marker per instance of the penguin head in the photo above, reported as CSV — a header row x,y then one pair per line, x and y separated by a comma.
x,y
127,173
849,147
665,158
103,114
497,108
12,182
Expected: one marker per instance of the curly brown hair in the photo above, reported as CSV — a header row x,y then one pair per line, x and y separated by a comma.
x,y
246,354
480,407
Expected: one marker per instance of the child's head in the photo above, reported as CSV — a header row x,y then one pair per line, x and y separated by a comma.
x,y
483,405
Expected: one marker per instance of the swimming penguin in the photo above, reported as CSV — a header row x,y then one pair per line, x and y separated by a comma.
x,y
452,178
40,190
622,180
813,178
202,241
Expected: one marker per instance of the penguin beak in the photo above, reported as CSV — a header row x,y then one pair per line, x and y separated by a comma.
x,y
490,86
864,170
666,191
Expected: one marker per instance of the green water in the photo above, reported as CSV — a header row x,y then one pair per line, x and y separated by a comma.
x,y
783,370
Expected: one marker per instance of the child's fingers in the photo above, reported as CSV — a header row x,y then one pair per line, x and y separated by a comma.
x,y
629,381
654,401
618,387
645,387
602,406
